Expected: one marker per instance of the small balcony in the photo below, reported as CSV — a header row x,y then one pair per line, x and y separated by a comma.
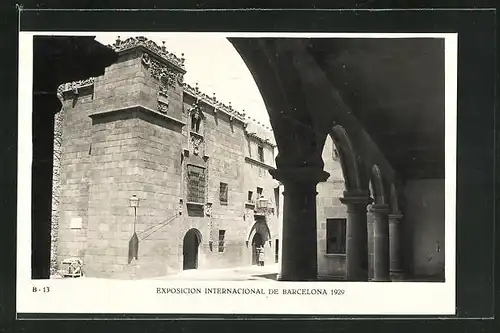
x,y
263,207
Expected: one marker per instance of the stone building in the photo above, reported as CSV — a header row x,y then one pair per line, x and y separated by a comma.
x,y
203,176
157,177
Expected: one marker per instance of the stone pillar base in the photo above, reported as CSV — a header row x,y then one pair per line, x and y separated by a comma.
x,y
397,276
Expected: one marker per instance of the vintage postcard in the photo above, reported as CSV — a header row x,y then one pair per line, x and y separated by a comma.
x,y
237,173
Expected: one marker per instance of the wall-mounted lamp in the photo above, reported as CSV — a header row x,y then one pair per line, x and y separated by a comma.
x,y
181,206
133,246
134,202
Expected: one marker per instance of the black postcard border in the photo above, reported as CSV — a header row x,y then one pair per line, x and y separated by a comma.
x,y
476,142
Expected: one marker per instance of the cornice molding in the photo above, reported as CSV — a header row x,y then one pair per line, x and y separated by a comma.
x,y
259,163
121,46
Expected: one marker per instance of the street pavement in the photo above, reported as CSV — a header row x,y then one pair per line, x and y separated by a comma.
x,y
244,273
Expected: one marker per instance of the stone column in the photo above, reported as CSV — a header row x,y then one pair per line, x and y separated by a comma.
x,y
395,265
381,242
44,108
299,238
357,235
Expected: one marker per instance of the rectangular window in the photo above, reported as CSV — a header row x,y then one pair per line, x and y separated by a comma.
x,y
259,192
336,236
250,196
260,150
223,193
222,234
195,184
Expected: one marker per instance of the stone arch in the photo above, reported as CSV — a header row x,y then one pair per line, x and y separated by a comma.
x,y
378,188
349,162
258,236
258,227
197,233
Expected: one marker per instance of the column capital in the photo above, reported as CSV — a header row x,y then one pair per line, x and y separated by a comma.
x,y
356,197
300,175
380,209
395,217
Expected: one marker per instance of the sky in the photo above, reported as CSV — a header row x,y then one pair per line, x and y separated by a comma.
x,y
213,63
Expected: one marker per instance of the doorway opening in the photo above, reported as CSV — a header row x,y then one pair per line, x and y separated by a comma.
x,y
190,246
257,242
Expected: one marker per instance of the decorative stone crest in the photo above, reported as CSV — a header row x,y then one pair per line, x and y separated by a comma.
x,y
208,209
212,101
75,85
163,102
131,42
167,75
163,106
196,143
146,61
163,91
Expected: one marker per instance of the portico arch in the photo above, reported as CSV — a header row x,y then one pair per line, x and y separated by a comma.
x,y
356,197
378,188
348,159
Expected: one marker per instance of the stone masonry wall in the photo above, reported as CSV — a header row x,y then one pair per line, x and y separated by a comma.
x,y
74,174
224,140
257,175
329,206
114,178
76,166
122,84
159,188
107,159
116,144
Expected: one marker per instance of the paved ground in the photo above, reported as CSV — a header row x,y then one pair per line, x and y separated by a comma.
x,y
246,273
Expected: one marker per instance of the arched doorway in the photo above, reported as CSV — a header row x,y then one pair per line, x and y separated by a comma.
x,y
257,241
191,242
